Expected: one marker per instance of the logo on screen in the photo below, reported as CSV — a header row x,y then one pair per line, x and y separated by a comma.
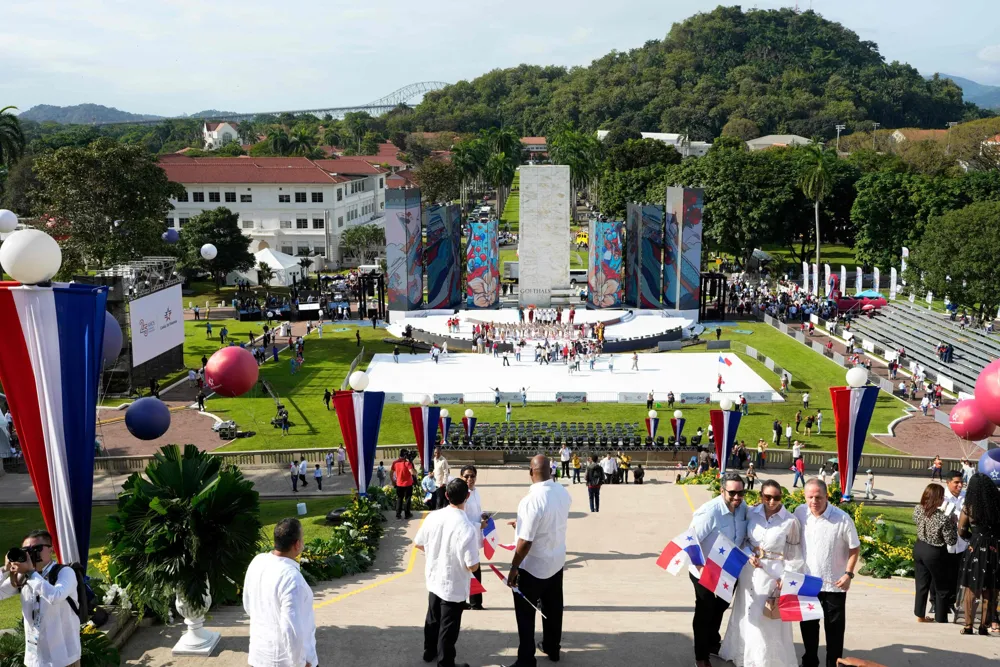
x,y
168,315
145,327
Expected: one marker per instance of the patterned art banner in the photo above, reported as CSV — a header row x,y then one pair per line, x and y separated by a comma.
x,y
443,225
482,257
671,246
633,216
691,228
651,256
403,249
604,276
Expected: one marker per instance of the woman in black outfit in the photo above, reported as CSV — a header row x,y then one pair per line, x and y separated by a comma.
x,y
935,533
980,524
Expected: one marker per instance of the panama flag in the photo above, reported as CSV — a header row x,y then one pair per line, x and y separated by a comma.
x,y
50,364
476,587
722,568
360,416
678,426
723,360
852,413
652,423
680,551
725,423
469,424
425,427
805,276
445,428
799,599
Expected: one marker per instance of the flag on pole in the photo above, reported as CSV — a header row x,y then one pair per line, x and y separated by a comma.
x,y
852,413
651,425
722,568
445,428
425,428
829,282
678,427
469,424
725,423
50,364
902,264
858,281
805,276
893,282
723,360
515,589
680,551
360,416
815,285
876,279
843,280
799,599
476,587
490,541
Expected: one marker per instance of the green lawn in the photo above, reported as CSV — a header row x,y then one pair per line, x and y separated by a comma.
x,y
15,522
198,344
512,207
900,517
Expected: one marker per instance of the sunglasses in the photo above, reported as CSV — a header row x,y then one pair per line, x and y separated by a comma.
x,y
771,498
736,493
468,476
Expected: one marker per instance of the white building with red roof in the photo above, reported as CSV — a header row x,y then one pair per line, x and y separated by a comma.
x,y
293,205
218,134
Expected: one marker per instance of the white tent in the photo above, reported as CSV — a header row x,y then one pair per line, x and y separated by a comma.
x,y
285,267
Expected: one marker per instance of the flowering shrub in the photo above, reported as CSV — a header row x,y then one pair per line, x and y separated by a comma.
x,y
885,551
352,546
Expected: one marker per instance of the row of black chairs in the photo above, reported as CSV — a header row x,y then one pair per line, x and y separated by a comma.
x,y
491,441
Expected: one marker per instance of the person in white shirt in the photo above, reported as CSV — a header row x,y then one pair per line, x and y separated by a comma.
x,y
303,469
954,500
609,465
537,567
474,510
805,401
451,544
830,547
565,454
796,451
442,473
788,434
51,624
341,459
329,464
279,603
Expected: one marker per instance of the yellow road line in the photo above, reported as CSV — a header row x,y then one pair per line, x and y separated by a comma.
x,y
688,496
398,575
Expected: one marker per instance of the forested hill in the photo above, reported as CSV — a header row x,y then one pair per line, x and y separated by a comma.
x,y
81,114
785,72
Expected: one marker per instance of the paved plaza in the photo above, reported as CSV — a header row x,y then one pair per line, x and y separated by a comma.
x,y
620,608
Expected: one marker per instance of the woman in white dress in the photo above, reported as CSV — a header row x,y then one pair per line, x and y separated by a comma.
x,y
773,535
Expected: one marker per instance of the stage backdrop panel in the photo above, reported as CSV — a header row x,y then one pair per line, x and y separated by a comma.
x,y
651,256
404,249
543,242
604,274
443,226
674,214
633,215
157,323
482,258
685,206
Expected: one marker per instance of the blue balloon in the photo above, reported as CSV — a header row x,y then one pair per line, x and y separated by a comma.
x,y
989,464
147,418
170,236
112,344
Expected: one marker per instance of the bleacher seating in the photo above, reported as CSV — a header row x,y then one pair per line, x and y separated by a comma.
x,y
533,435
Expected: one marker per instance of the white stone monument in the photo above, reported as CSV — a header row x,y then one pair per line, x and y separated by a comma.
x,y
543,237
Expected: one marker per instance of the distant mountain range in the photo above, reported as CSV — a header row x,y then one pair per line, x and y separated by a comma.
x,y
987,97
97,113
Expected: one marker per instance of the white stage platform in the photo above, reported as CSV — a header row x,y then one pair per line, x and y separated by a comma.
x,y
641,324
692,378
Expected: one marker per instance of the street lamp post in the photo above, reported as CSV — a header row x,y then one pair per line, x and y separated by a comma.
x,y
951,124
874,130
839,129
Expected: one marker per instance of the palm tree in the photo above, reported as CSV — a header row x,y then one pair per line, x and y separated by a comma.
x,y
11,137
265,274
331,137
816,180
302,140
305,263
581,152
277,141
248,132
501,144
469,157
499,172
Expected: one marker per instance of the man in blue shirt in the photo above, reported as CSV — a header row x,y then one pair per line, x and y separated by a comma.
x,y
726,515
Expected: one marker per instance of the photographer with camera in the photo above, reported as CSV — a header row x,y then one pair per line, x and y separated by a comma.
x,y
49,602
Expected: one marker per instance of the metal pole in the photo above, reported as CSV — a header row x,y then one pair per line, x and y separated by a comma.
x,y
839,128
873,135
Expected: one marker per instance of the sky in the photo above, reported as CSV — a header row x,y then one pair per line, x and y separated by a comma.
x,y
170,57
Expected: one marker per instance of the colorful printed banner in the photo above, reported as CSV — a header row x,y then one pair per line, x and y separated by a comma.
x,y
403,249
604,274
442,256
482,257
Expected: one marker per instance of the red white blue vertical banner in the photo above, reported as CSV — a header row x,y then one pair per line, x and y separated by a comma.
x,y
445,429
360,416
843,280
469,425
677,425
652,423
852,414
425,428
827,282
805,277
815,276
50,364
725,423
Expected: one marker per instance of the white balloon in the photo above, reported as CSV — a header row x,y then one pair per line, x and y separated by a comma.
x,y
469,413
425,400
444,412
678,414
857,377
358,380
8,221
30,256
208,251
726,404
653,414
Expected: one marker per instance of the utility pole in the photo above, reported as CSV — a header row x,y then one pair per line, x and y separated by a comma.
x,y
839,129
951,124
874,130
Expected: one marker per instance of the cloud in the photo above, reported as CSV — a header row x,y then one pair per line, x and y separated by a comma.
x,y
990,54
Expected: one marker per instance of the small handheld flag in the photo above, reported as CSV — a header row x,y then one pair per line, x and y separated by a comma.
x,y
799,599
723,360
475,587
515,589
490,542
680,551
722,568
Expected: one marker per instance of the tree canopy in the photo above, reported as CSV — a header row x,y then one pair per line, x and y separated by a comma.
x,y
221,228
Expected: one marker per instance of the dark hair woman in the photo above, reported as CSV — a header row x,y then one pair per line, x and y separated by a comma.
x,y
980,524
935,533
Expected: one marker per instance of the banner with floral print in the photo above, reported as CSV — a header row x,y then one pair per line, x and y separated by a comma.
x,y
482,259
691,228
633,214
404,249
442,255
605,271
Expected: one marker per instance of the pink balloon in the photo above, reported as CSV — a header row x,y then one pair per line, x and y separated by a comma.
x,y
232,371
968,421
988,391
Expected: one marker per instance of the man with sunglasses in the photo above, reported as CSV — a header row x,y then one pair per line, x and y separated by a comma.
x,y
474,510
726,515
51,626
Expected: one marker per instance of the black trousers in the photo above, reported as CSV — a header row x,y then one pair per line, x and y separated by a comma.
x,y
930,566
594,493
440,498
546,594
477,599
565,469
403,492
708,611
302,480
441,627
954,565
834,624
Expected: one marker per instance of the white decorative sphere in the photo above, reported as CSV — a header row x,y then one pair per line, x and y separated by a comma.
x,y
358,380
726,404
444,412
469,413
209,251
8,221
857,377
425,400
653,414
30,256
678,414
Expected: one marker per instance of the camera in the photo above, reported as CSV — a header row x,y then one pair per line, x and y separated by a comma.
x,y
22,554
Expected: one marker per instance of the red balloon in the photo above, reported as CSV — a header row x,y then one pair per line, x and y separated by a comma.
x,y
968,421
988,391
232,371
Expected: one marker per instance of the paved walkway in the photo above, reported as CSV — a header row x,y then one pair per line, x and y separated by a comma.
x,y
620,609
